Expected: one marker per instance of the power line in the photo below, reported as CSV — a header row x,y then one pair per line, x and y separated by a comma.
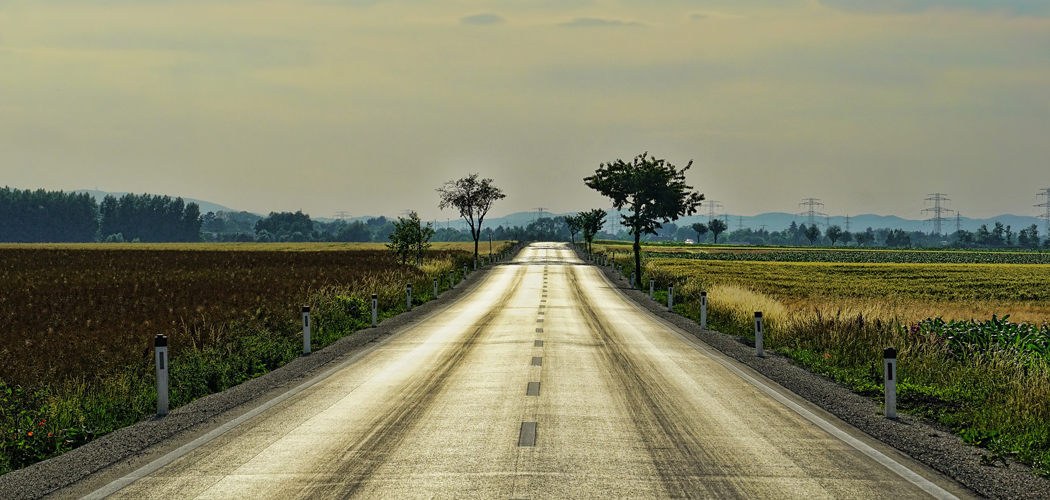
x,y
847,223
938,211
740,223
1046,217
341,215
958,221
811,205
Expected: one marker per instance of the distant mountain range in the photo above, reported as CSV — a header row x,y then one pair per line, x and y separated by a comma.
x,y
206,206
773,221
776,221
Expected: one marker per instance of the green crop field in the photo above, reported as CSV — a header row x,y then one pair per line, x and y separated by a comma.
x,y
973,336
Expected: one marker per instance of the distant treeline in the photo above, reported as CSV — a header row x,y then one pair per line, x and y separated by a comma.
x,y
57,217
299,227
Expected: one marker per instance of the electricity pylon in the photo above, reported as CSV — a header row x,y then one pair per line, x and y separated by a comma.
x,y
938,211
811,205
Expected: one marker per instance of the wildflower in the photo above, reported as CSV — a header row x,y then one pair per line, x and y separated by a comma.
x,y
30,433
42,422
50,434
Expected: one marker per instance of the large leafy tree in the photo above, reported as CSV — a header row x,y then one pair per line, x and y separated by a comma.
x,y
653,190
812,233
701,230
575,224
592,221
473,197
717,227
834,233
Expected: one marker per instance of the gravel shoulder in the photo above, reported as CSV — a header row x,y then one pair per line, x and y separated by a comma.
x,y
84,469
928,443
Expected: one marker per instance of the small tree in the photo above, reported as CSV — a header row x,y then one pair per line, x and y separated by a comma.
x,y
865,238
591,223
473,197
410,239
653,190
846,237
812,233
717,227
575,224
701,230
834,233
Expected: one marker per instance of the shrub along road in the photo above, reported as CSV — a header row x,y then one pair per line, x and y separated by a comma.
x,y
545,381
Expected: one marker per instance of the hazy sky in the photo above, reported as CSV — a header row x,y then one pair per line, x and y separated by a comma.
x,y
368,105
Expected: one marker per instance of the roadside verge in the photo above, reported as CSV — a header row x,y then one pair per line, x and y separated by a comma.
x,y
931,445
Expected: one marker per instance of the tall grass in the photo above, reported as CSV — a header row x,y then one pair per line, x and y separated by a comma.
x,y
994,392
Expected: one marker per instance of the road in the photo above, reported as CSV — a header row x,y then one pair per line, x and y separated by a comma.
x,y
544,382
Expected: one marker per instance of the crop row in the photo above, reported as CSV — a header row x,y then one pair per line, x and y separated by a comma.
x,y
863,257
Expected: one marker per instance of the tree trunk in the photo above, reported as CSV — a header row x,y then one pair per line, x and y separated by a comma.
x,y
638,253
476,244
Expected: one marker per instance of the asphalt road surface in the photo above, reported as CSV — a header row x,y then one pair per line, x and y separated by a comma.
x,y
544,382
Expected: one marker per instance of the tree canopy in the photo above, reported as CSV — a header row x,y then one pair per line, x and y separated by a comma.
x,y
653,190
592,222
473,197
410,239
701,230
717,227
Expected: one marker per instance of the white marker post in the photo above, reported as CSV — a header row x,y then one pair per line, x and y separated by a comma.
x,y
475,264
306,330
408,295
451,279
758,334
435,288
464,271
375,309
889,356
160,347
632,279
652,288
703,309
670,298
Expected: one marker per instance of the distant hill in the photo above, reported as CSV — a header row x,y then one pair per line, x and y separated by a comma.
x,y
206,206
776,221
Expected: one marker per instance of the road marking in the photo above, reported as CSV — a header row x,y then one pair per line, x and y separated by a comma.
x,y
539,330
538,343
533,389
527,436
537,361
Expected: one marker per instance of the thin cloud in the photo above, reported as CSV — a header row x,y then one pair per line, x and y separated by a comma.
x,y
701,16
590,22
482,19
